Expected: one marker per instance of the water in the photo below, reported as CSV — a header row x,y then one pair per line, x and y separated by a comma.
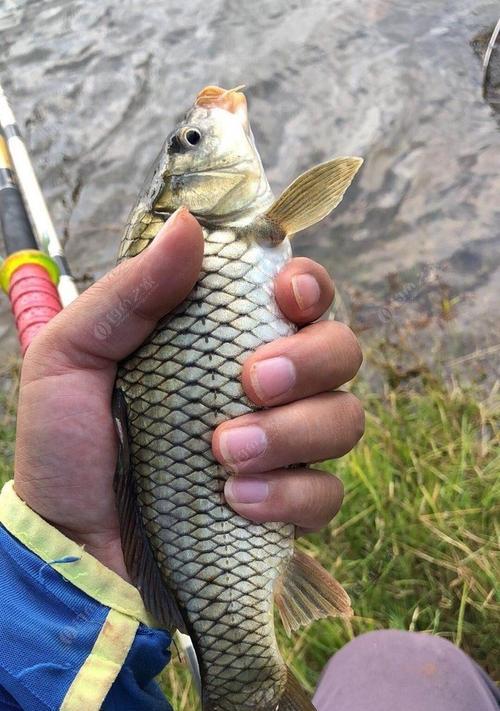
x,y
414,247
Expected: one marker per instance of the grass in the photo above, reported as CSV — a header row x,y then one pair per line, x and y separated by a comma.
x,y
415,543
9,375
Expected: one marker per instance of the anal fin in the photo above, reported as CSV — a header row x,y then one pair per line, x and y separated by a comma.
x,y
139,559
307,592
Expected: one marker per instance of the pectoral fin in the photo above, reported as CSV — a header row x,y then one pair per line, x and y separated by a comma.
x,y
307,592
313,195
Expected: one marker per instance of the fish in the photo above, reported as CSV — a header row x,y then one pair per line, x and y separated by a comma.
x,y
200,567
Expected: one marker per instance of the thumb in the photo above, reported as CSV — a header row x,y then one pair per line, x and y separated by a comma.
x,y
115,315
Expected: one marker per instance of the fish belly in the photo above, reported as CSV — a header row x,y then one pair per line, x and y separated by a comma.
x,y
178,386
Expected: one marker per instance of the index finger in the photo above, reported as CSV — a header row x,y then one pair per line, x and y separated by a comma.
x,y
303,290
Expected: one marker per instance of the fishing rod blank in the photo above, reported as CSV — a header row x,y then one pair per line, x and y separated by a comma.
x,y
27,275
40,219
488,55
16,227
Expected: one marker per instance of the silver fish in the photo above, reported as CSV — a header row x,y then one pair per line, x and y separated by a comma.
x,y
200,567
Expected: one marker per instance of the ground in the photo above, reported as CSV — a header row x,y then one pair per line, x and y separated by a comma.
x,y
414,543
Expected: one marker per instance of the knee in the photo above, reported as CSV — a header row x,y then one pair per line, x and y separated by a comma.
x,y
421,653
393,669
400,645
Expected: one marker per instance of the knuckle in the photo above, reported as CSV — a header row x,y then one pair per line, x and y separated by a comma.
x,y
332,496
300,500
338,493
351,343
342,349
357,417
324,278
324,500
302,264
32,359
307,498
42,348
307,431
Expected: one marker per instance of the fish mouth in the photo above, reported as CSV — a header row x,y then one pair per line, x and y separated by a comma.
x,y
232,100
212,97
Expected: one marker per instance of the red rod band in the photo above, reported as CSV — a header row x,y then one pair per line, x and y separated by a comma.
x,y
34,301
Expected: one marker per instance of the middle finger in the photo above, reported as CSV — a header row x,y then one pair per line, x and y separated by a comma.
x,y
318,358
310,430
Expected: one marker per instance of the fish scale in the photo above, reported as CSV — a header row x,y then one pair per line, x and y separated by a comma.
x,y
221,567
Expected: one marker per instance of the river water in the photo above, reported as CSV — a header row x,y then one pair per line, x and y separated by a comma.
x,y
414,247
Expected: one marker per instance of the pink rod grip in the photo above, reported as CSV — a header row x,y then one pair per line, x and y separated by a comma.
x,y
34,301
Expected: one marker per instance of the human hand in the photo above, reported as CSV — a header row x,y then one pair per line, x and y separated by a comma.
x,y
306,418
66,444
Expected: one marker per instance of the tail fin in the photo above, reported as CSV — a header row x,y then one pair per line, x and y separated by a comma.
x,y
294,697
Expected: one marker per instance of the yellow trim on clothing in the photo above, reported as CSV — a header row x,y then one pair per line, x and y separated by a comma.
x,y
95,678
85,573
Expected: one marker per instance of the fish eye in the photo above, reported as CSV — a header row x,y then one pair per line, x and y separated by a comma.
x,y
189,137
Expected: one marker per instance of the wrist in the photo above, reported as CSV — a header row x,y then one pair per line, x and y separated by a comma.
x,y
52,545
104,544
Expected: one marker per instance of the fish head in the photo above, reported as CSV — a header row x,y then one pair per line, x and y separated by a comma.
x,y
211,164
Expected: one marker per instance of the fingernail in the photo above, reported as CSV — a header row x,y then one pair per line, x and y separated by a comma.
x,y
241,443
167,226
273,376
246,491
306,290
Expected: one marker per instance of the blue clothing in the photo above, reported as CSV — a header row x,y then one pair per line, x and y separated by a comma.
x,y
50,629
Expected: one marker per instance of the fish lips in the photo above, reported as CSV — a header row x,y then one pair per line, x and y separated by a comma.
x,y
232,100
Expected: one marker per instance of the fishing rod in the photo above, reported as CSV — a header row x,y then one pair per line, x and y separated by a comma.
x,y
487,56
27,275
41,221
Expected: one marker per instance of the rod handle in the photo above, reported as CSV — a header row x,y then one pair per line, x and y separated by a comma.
x,y
34,300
